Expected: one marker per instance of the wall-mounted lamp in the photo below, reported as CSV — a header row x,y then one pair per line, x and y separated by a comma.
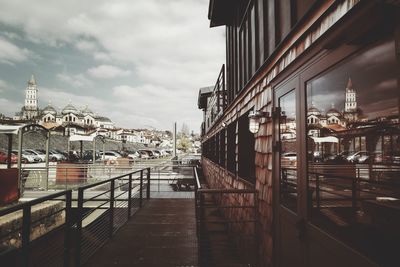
x,y
255,120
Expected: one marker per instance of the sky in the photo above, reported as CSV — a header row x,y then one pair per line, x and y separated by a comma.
x,y
140,63
373,73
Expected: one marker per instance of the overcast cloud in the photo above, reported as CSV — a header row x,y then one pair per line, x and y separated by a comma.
x,y
138,62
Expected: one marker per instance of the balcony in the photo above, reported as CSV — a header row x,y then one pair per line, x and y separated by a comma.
x,y
217,101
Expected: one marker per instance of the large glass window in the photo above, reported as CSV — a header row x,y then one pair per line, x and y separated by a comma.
x,y
353,160
288,156
246,150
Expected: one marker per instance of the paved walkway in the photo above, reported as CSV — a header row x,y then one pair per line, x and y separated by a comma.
x,y
163,233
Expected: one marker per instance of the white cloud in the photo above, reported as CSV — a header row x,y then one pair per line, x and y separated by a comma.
x,y
78,80
165,50
108,72
101,56
3,85
86,46
8,107
10,53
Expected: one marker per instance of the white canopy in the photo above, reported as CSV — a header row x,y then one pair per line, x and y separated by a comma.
x,y
78,137
326,139
10,129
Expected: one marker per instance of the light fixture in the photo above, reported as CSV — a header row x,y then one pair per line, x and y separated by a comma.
x,y
255,120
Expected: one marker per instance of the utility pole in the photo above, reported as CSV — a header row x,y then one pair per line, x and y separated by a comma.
x,y
174,140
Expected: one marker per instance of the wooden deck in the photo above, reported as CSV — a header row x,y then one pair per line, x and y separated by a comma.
x,y
163,233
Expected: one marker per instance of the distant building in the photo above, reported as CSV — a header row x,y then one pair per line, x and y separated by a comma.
x,y
81,120
30,110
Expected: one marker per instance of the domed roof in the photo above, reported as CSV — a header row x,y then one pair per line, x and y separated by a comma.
x,y
333,112
69,109
87,111
49,109
313,111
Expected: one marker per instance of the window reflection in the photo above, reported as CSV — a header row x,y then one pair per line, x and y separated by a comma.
x,y
288,156
353,152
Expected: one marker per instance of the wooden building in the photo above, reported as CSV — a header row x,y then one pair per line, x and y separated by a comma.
x,y
290,66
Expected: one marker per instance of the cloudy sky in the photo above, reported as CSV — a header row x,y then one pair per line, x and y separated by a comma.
x,y
138,62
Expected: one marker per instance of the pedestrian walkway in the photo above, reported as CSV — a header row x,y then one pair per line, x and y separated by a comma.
x,y
163,233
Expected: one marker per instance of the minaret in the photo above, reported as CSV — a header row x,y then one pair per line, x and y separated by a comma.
x,y
350,104
31,109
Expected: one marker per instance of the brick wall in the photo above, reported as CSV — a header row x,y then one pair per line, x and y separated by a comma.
x,y
218,177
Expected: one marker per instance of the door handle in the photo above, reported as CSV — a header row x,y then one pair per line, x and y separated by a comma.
x,y
301,229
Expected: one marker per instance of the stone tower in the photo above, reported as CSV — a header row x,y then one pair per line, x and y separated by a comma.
x,y
31,109
350,104
351,111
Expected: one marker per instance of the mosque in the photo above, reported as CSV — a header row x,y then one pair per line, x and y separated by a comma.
x,y
68,116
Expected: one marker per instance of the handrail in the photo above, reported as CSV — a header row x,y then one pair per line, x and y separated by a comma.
x,y
109,180
33,202
228,191
197,178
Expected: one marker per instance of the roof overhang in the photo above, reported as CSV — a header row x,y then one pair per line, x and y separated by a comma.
x,y
221,12
15,129
204,94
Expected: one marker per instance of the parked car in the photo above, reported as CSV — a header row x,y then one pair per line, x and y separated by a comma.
x,y
156,153
54,155
41,155
289,159
358,157
4,159
149,153
88,155
27,157
110,155
132,154
143,154
65,154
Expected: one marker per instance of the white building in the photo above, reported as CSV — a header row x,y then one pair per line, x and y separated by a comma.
x,y
30,110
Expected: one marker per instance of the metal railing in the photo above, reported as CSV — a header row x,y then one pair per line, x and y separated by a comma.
x,y
349,185
217,102
63,176
66,228
103,207
231,214
27,229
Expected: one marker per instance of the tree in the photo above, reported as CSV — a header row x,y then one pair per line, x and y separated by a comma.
x,y
184,144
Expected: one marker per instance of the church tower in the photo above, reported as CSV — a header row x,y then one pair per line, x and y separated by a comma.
x,y
351,98
351,112
31,109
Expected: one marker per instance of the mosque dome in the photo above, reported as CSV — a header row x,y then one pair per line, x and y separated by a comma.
x,y
49,109
87,111
69,109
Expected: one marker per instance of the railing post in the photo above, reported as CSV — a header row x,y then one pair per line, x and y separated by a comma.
x,y
256,229
141,189
112,207
129,195
317,193
79,228
148,184
68,227
354,193
26,232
